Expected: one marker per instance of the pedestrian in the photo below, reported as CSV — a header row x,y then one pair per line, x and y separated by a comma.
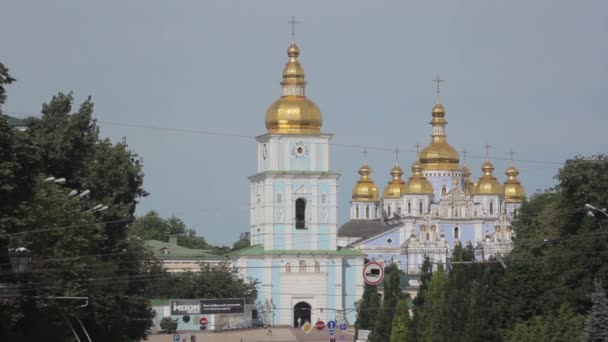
x,y
193,338
269,333
299,322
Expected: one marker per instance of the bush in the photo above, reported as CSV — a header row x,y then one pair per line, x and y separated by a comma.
x,y
168,325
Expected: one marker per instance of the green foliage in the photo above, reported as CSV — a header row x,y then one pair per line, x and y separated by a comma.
x,y
392,294
5,79
596,325
566,326
401,322
368,309
153,227
243,242
168,325
74,254
431,314
221,281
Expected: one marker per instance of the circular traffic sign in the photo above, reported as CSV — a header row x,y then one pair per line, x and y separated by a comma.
x,y
331,325
204,321
320,325
373,273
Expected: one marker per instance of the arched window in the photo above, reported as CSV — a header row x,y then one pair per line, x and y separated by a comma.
x,y
409,207
389,210
514,212
443,190
367,211
420,208
300,213
456,233
357,212
324,198
279,198
491,208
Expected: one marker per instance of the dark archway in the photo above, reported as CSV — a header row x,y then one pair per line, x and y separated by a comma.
x,y
301,310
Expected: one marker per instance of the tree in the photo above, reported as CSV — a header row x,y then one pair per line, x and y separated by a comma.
x,y
368,309
243,242
168,325
431,314
596,325
392,294
401,322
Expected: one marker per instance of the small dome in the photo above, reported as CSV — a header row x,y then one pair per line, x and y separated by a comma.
x,y
418,184
514,191
365,190
487,183
396,187
438,110
293,113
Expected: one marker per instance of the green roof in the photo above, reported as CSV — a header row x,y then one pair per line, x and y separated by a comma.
x,y
297,173
258,250
179,252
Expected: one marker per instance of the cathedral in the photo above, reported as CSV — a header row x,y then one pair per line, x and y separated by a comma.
x,y
435,209
310,270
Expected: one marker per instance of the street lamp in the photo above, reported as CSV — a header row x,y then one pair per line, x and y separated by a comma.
x,y
20,259
593,208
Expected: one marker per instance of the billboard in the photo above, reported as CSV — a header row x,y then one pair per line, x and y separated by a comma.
x,y
207,306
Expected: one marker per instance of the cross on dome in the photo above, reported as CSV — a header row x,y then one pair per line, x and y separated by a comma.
x,y
293,23
487,151
396,151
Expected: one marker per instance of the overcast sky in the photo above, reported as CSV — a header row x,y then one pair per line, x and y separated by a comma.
x,y
527,76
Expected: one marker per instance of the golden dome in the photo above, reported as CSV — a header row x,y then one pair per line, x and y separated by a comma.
x,y
514,191
487,183
396,187
469,187
439,155
293,113
418,184
365,190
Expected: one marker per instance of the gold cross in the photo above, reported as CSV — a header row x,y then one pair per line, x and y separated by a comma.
x,y
418,148
464,156
396,154
438,81
293,23
511,153
487,151
364,155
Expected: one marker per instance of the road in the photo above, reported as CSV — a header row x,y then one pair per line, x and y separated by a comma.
x,y
256,335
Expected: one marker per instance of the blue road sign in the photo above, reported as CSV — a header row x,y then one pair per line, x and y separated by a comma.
x,y
331,325
176,338
343,326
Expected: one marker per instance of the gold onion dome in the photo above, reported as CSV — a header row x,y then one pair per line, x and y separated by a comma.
x,y
365,190
439,155
469,187
396,187
293,113
487,183
418,184
514,191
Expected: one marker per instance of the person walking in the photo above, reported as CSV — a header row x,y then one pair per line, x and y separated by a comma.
x,y
299,322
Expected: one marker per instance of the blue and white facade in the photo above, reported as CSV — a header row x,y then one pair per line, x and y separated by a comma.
x,y
293,217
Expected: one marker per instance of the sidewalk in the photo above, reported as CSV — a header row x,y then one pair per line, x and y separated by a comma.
x,y
245,335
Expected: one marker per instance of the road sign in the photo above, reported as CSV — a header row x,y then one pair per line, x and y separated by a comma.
x,y
341,337
176,338
307,327
204,321
331,325
373,273
320,325
343,325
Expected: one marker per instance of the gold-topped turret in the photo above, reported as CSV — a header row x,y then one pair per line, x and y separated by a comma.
x,y
293,113
514,191
439,155
487,183
418,184
396,187
365,190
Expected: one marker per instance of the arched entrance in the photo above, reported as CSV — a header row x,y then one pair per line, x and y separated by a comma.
x,y
301,310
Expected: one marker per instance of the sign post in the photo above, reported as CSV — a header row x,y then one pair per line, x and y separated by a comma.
x,y
373,273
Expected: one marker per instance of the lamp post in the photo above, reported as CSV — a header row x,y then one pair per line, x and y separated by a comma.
x,y
20,259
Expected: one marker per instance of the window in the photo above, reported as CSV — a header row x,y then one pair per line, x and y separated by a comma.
x,y
257,198
514,212
288,267
303,267
317,267
398,211
491,208
357,212
367,211
443,190
324,198
409,207
279,198
389,210
456,233
420,208
300,213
